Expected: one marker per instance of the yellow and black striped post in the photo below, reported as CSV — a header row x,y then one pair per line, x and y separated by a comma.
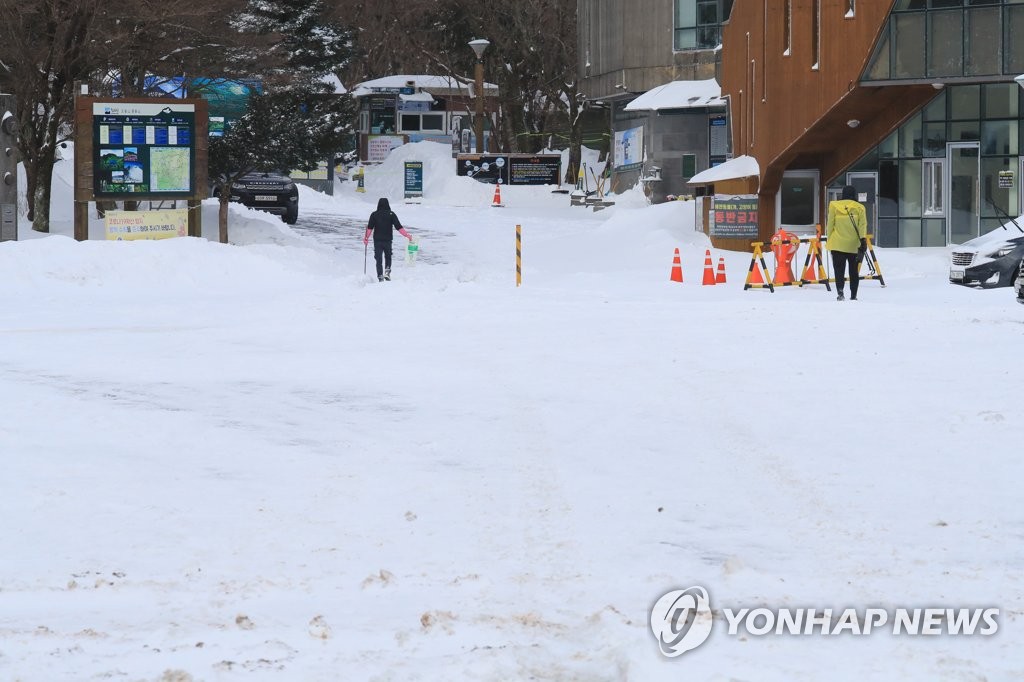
x,y
519,255
872,261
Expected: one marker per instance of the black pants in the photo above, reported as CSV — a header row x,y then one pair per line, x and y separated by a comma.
x,y
840,260
382,249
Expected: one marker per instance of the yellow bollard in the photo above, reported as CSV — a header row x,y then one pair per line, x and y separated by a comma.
x,y
519,255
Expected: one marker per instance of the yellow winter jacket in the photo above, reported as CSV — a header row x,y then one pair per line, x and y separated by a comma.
x,y
842,234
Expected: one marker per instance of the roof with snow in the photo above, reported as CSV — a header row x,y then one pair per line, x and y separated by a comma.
x,y
680,95
740,167
333,81
437,85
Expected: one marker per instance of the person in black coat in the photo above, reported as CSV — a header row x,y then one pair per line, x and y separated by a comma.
x,y
382,224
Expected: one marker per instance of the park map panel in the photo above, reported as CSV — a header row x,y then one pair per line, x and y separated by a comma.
x,y
143,149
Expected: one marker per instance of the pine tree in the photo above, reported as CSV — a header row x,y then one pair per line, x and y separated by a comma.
x,y
298,121
298,38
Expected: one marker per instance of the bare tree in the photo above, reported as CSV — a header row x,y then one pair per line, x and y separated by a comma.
x,y
45,46
532,58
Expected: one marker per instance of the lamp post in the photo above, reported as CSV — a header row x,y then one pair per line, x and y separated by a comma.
x,y
479,45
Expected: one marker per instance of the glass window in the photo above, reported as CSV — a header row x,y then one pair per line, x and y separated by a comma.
x,y
433,122
964,132
382,121
983,50
934,139
999,137
816,34
910,187
933,232
964,102
879,67
910,137
945,43
910,4
889,147
936,109
410,122
888,233
1000,100
908,41
932,184
787,28
1013,27
868,162
686,24
698,23
910,232
992,193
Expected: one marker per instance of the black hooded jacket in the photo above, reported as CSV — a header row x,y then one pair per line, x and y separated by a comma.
x,y
383,222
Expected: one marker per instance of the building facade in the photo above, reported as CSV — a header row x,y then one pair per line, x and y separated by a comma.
x,y
912,101
628,49
395,110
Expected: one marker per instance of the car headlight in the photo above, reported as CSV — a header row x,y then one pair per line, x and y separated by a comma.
x,y
289,186
237,185
1005,251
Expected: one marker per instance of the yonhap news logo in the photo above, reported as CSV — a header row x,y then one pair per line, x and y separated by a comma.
x,y
682,620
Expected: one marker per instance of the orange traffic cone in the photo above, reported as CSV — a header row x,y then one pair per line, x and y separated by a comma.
x,y
720,275
677,269
810,273
754,276
709,269
497,196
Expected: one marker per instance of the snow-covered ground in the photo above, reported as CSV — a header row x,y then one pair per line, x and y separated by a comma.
x,y
252,462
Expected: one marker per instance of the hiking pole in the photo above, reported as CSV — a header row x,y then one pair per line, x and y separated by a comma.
x,y
366,245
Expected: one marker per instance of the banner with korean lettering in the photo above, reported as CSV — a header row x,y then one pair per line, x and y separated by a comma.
x,y
734,217
131,225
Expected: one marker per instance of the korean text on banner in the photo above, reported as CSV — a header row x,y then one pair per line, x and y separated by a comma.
x,y
131,225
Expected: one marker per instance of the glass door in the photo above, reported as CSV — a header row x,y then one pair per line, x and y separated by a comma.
x,y
867,194
964,162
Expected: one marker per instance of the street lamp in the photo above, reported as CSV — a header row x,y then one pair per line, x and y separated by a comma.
x,y
479,45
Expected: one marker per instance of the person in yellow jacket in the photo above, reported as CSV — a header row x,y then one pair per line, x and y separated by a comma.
x,y
847,231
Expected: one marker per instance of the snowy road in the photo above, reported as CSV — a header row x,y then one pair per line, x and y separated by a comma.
x,y
346,233
248,463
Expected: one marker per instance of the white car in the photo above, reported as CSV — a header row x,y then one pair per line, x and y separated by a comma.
x,y
1018,284
991,260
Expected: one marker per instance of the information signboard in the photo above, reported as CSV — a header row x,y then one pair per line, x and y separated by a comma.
x,y
511,169
628,151
734,217
143,149
413,179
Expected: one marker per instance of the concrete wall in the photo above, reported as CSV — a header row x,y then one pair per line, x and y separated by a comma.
x,y
625,49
